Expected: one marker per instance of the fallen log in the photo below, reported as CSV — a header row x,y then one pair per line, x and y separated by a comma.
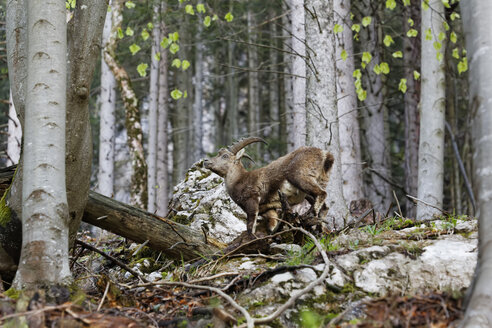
x,y
173,239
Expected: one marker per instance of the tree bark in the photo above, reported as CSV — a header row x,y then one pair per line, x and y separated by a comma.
x,y
297,133
45,230
378,189
153,100
322,115
138,190
476,22
431,145
253,81
231,93
411,63
197,105
162,128
273,92
105,178
350,156
286,106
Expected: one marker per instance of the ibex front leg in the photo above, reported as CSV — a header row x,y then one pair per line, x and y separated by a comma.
x,y
251,209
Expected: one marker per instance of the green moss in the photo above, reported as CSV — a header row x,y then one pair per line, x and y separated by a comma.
x,y
181,218
4,209
13,293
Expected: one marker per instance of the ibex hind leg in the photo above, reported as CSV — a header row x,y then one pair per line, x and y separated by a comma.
x,y
311,187
273,224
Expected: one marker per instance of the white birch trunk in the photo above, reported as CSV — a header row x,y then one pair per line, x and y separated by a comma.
x,y
162,132
347,107
153,98
287,77
322,117
378,189
431,145
297,134
476,23
44,255
15,135
105,176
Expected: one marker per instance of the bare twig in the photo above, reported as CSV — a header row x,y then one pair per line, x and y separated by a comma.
x,y
218,275
428,204
33,312
104,296
398,204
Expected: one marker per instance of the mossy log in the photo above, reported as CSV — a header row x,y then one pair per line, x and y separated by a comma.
x,y
173,239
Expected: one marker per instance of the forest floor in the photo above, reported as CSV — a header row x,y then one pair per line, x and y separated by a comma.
x,y
166,293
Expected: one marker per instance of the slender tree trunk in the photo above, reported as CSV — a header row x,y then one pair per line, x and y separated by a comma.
x,y
162,123
476,22
45,231
197,106
273,86
153,98
411,63
231,98
322,116
375,133
105,177
297,134
431,146
286,106
15,135
253,80
347,107
138,191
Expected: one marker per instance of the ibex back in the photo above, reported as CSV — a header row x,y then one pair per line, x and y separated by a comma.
x,y
301,173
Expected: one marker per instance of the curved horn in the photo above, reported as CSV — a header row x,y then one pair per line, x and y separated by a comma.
x,y
243,143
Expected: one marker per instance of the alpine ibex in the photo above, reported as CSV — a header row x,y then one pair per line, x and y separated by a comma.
x,y
303,172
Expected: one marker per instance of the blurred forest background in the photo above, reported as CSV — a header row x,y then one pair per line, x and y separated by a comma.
x,y
198,75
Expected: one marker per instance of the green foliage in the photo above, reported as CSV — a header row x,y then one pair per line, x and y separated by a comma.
x,y
200,8
206,21
129,31
402,86
463,65
388,40
343,55
453,37
176,63
185,64
425,4
145,34
338,28
356,28
142,69
428,34
130,4
397,54
134,48
189,10
310,319
366,21
411,33
229,17
390,4
176,94
416,75
70,4
174,48
366,58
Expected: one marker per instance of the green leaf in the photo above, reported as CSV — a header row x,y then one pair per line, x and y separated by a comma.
x,y
134,48
437,45
129,4
70,4
425,4
390,4
388,40
174,48
145,34
410,21
454,15
456,53
439,56
174,36
356,28
229,17
428,34
445,25
402,86
366,21
157,56
376,69
150,26
214,18
406,3
384,68
366,57
361,94
446,3
142,69
344,55
416,75
338,28
185,95
441,36
185,64
129,31
176,94
200,8
357,74
397,54
411,33
120,33
176,63
206,21
165,42
189,10
463,65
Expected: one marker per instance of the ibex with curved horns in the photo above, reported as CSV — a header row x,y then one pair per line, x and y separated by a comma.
x,y
303,172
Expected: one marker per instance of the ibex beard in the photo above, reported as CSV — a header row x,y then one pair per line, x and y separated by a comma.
x,y
301,174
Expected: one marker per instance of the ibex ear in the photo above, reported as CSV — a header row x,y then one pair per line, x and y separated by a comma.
x,y
240,154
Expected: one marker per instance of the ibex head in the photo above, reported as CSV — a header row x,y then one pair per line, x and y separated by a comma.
x,y
230,157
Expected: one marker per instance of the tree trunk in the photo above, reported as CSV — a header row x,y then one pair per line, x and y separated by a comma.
x,y
476,18
411,63
162,132
297,134
377,190
231,92
105,178
322,116
197,105
153,99
253,88
286,105
273,92
431,146
15,135
347,107
138,190
45,231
